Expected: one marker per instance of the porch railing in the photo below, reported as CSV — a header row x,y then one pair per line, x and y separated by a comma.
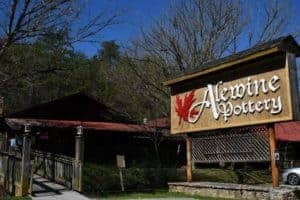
x,y
10,171
57,168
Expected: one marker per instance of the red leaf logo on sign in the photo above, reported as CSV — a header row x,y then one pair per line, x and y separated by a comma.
x,y
183,106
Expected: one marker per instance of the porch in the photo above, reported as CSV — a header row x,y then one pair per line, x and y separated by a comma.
x,y
49,140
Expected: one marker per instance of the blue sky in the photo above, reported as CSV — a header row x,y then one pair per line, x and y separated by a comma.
x,y
138,13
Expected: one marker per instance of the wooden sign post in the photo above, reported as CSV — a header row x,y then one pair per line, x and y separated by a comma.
x,y
274,167
121,165
255,87
189,158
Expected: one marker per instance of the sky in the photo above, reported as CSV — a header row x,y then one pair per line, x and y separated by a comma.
x,y
137,13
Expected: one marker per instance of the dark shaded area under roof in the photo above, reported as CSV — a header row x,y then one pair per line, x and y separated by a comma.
x,y
3,125
285,43
76,107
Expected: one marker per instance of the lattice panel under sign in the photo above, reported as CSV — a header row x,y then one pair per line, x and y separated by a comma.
x,y
231,145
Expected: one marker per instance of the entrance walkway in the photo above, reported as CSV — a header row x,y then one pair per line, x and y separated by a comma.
x,y
43,189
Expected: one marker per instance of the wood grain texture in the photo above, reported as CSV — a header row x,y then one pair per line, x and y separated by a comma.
x,y
280,64
291,68
274,167
189,159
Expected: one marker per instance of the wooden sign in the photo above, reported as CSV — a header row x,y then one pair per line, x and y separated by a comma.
x,y
120,161
258,91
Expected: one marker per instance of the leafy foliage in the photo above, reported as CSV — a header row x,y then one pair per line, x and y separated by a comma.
x,y
105,179
99,179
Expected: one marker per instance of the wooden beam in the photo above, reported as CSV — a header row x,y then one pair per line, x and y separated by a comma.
x,y
189,159
291,73
101,126
272,142
78,162
25,173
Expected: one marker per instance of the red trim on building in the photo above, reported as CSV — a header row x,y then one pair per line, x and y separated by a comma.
x,y
285,131
163,123
288,131
100,126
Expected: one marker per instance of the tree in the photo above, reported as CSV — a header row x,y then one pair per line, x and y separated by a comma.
x,y
193,32
109,52
23,22
42,71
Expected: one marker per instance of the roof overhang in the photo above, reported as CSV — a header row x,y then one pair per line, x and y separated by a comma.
x,y
99,126
288,131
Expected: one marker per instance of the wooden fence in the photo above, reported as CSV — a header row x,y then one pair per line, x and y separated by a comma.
x,y
57,168
10,172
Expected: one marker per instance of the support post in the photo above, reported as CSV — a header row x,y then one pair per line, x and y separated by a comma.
x,y
4,142
274,167
189,158
121,179
25,164
78,162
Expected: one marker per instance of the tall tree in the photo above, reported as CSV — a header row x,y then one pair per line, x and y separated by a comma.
x,y
193,32
39,72
109,52
23,22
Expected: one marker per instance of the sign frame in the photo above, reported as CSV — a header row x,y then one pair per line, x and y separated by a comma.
x,y
268,65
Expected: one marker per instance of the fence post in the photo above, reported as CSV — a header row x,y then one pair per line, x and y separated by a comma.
x,y
79,156
25,164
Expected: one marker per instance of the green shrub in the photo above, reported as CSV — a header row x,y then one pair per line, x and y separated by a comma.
x,y
100,179
103,179
135,179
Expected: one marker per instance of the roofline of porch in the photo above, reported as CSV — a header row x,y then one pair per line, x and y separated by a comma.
x,y
89,125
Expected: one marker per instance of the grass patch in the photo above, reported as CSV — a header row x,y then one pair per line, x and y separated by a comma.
x,y
232,176
15,198
5,196
158,194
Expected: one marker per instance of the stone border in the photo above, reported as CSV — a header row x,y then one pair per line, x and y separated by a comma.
x,y
234,191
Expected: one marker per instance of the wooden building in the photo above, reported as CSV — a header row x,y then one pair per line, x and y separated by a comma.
x,y
75,129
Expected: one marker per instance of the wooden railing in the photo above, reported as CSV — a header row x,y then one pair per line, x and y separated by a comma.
x,y
10,171
55,167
